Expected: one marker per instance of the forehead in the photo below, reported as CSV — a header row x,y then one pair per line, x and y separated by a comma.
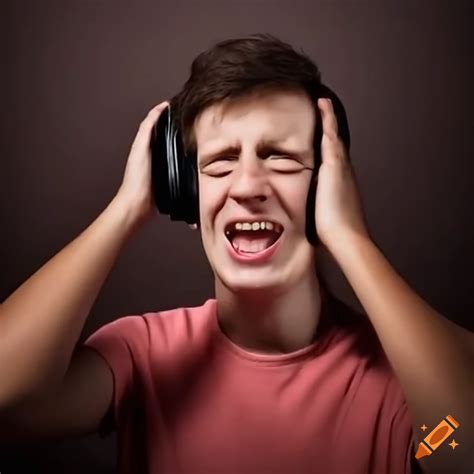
x,y
278,118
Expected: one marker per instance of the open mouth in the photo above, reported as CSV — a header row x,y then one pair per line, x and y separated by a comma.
x,y
251,238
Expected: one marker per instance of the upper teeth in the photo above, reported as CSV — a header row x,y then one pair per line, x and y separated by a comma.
x,y
256,226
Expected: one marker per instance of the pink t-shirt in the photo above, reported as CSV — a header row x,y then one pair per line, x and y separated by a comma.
x,y
187,400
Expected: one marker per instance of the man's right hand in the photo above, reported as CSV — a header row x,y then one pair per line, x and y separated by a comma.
x,y
135,192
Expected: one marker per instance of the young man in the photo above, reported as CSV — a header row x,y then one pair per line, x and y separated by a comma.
x,y
273,375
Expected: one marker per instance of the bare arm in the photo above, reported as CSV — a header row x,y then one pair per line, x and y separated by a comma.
x,y
41,322
432,357
76,407
44,387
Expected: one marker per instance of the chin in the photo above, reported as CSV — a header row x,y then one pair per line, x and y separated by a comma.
x,y
251,284
257,281
249,290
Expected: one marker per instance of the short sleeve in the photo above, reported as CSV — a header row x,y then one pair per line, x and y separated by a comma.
x,y
402,437
122,344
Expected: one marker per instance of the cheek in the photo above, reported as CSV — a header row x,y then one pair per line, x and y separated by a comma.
x,y
297,197
294,195
210,199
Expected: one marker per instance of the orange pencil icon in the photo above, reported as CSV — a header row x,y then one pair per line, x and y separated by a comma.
x,y
436,437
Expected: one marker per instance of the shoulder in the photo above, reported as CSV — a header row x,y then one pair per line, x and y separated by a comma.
x,y
154,329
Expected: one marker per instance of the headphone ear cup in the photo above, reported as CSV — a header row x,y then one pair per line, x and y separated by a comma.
x,y
339,111
174,175
310,226
161,187
192,189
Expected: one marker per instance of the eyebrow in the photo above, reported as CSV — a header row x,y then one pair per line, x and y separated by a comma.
x,y
263,149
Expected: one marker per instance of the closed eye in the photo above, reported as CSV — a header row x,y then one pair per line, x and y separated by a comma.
x,y
284,164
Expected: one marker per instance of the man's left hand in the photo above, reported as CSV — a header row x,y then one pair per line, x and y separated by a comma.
x,y
339,213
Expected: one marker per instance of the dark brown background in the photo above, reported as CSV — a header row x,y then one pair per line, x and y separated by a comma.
x,y
78,77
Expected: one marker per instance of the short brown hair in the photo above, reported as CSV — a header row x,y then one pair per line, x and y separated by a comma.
x,y
237,67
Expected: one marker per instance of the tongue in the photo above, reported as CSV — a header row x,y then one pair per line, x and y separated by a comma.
x,y
253,241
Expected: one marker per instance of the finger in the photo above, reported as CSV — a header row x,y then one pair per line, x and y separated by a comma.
x,y
160,106
153,115
155,112
144,130
332,148
329,120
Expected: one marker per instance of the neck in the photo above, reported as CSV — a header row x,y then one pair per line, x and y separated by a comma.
x,y
271,322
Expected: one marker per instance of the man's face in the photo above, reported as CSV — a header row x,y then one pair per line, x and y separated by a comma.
x,y
255,156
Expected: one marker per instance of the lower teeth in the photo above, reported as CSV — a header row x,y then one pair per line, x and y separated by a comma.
x,y
249,251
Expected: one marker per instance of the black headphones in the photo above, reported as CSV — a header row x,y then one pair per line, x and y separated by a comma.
x,y
174,174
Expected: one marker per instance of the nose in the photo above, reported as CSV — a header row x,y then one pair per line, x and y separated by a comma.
x,y
250,180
